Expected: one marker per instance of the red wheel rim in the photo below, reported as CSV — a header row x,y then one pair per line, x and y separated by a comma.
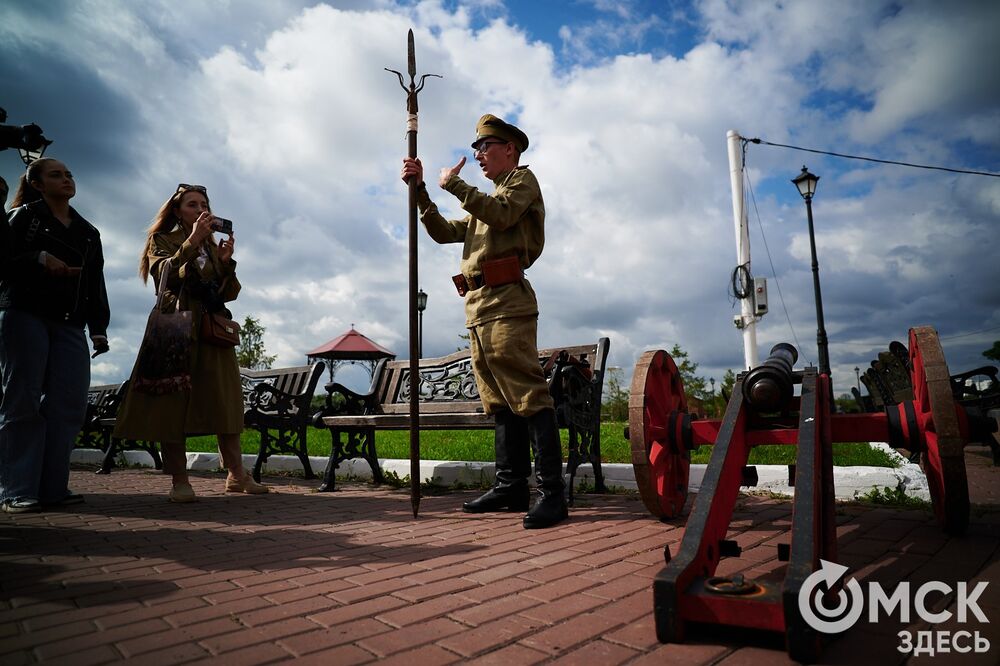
x,y
661,469
943,461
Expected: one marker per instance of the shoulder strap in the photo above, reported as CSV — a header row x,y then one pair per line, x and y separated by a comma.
x,y
161,286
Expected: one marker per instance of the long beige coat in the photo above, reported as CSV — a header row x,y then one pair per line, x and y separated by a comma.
x,y
214,404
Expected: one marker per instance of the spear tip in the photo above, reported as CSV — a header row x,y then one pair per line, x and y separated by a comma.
x,y
411,57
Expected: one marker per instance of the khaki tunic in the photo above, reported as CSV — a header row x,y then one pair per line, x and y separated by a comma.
x,y
511,221
502,320
214,404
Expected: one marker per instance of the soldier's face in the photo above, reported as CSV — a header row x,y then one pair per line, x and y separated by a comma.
x,y
495,157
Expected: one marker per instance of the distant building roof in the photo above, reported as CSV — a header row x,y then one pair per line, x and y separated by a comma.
x,y
352,345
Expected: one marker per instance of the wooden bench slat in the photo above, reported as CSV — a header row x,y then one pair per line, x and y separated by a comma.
x,y
453,407
439,421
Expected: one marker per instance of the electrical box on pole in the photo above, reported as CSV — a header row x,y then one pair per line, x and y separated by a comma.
x,y
759,296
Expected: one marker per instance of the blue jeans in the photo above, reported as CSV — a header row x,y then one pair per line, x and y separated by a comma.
x,y
45,374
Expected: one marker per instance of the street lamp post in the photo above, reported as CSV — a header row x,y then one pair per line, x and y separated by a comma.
x,y
857,377
421,306
711,380
806,184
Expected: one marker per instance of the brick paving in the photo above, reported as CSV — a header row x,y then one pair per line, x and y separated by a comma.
x,y
350,577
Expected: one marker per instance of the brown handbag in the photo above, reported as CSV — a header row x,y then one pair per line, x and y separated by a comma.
x,y
219,330
164,362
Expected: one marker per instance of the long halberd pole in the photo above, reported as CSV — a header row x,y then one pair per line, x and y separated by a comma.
x,y
413,185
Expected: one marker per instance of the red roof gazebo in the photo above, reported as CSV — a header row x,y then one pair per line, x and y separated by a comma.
x,y
350,347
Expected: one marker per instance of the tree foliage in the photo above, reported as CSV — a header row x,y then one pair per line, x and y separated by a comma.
x,y
694,386
615,396
251,352
993,353
728,382
846,404
697,391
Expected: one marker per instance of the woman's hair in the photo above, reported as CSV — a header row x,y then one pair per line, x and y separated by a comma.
x,y
165,220
26,192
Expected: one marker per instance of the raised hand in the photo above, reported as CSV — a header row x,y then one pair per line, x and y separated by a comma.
x,y
447,173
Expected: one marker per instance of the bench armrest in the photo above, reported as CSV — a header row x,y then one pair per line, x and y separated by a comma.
x,y
353,403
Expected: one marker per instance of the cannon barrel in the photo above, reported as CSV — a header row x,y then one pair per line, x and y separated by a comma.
x,y
769,386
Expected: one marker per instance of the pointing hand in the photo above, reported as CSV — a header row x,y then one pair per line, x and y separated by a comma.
x,y
447,173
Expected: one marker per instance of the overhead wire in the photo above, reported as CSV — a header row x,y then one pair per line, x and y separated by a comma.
x,y
965,335
875,159
851,157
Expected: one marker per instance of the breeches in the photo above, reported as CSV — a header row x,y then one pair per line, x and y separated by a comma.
x,y
505,363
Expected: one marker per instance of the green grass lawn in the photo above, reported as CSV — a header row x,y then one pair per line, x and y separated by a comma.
x,y
477,445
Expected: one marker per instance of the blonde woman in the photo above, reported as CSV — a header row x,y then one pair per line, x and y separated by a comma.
x,y
202,278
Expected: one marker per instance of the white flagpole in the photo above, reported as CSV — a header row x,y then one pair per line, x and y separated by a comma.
x,y
748,322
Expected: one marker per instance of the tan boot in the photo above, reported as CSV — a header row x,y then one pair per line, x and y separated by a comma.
x,y
182,493
245,484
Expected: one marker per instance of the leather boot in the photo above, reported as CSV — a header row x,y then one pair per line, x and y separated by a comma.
x,y
513,464
550,507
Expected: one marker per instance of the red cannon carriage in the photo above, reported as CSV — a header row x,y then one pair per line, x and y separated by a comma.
x,y
763,410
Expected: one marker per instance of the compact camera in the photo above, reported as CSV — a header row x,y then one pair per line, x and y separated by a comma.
x,y
222,225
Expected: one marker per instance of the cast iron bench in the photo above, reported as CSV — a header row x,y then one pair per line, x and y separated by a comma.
x,y
277,405
449,400
100,400
103,402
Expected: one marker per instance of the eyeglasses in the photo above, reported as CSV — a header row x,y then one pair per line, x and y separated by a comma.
x,y
484,146
184,187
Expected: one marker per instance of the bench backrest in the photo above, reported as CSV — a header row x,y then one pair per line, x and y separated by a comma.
x,y
103,400
299,381
449,385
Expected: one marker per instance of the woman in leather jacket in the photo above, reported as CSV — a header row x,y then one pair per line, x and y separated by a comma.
x,y
200,277
51,287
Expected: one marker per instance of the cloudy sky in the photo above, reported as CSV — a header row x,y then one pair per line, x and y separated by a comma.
x,y
283,110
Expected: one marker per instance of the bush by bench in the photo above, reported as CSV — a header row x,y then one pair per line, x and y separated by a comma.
x,y
449,400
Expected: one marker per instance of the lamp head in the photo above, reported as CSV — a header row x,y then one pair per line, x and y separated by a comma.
x,y
806,184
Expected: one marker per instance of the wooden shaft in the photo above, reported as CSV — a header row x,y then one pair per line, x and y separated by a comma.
x,y
411,137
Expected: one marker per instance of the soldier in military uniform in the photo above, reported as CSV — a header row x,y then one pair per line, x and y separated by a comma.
x,y
503,234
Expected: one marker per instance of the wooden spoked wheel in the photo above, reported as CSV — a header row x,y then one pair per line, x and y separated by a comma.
x,y
943,461
661,468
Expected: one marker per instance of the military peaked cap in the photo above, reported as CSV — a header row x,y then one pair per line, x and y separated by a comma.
x,y
491,126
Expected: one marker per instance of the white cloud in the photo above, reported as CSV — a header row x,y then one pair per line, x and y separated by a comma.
x,y
285,112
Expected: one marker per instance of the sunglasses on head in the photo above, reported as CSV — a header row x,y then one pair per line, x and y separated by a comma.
x,y
184,187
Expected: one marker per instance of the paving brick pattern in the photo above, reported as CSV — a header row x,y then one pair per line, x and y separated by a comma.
x,y
351,578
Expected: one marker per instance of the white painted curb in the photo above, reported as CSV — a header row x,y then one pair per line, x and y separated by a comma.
x,y
849,482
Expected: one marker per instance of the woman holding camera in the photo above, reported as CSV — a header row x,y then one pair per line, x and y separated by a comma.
x,y
51,287
201,278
